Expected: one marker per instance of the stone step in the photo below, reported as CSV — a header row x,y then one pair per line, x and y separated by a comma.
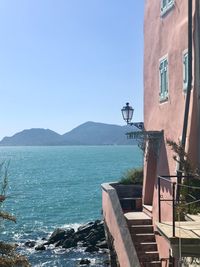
x,y
147,209
137,218
131,204
128,203
143,238
145,246
151,264
137,229
148,256
139,222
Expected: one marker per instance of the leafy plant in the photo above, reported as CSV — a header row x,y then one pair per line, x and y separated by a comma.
x,y
133,176
8,255
190,261
190,190
182,158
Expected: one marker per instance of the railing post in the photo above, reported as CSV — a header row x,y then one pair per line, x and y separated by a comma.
x,y
159,204
188,191
179,181
173,208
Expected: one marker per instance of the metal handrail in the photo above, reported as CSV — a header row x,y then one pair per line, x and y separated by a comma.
x,y
173,176
173,200
175,185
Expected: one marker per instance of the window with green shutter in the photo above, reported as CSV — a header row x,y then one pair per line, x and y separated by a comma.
x,y
166,5
185,71
163,71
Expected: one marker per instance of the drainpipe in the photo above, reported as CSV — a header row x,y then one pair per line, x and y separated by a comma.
x,y
189,86
188,94
197,5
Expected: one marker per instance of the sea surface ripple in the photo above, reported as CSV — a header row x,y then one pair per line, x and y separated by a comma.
x,y
52,187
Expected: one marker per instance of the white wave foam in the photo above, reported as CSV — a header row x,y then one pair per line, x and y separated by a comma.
x,y
75,226
47,263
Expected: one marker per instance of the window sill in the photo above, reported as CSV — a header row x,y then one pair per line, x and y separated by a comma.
x,y
164,99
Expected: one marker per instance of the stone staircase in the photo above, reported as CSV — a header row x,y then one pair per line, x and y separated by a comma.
x,y
142,234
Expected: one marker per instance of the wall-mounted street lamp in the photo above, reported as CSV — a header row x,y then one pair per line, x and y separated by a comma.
x,y
153,138
127,114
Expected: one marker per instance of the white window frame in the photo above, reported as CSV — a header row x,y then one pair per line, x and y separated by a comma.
x,y
164,92
185,70
166,5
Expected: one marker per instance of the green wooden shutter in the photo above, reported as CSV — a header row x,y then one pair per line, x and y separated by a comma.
x,y
166,5
163,79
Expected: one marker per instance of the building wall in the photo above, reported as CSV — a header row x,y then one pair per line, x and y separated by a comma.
x,y
164,36
167,36
197,69
117,226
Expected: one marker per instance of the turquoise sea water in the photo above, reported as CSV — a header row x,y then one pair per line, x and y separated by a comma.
x,y
52,187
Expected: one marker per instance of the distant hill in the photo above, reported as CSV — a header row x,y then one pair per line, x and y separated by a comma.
x,y
89,133
32,137
93,133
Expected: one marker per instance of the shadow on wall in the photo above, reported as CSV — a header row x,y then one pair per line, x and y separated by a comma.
x,y
151,167
163,167
193,135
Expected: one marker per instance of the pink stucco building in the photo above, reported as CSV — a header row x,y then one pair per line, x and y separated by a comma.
x,y
171,58
155,236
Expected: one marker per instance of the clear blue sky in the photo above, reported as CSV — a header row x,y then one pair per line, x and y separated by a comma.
x,y
65,62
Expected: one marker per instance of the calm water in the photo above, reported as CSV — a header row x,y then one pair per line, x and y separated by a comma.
x,y
52,187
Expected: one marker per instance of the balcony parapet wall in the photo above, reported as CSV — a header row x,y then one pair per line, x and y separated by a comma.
x,y
118,228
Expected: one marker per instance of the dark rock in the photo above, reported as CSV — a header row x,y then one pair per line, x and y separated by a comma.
x,y
101,234
59,243
57,235
40,247
102,244
107,262
98,222
102,240
80,236
60,234
91,232
91,249
85,244
92,239
30,244
94,236
69,243
84,261
85,225
46,243
87,235
85,229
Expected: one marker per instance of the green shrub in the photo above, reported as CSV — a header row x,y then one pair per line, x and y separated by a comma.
x,y
133,176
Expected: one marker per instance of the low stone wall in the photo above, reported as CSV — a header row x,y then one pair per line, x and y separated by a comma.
x,y
131,192
127,190
117,228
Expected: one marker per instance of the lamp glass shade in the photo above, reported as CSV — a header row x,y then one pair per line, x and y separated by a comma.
x,y
127,113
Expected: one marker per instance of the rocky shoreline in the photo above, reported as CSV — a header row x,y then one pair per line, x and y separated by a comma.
x,y
90,237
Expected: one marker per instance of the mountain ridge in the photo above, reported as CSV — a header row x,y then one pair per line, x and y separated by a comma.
x,y
88,133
